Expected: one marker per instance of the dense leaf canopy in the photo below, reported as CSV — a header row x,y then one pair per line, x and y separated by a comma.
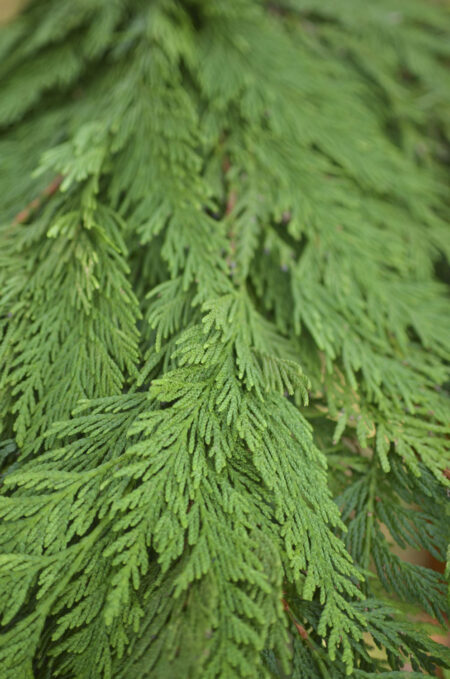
x,y
223,343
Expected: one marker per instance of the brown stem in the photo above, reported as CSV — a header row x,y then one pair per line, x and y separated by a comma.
x,y
35,204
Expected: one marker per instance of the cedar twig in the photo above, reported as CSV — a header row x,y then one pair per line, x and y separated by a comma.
x,y
300,629
35,204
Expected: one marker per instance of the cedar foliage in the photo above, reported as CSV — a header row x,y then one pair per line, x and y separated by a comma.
x,y
223,338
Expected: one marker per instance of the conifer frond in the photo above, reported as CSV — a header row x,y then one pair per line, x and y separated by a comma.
x,y
223,343
65,293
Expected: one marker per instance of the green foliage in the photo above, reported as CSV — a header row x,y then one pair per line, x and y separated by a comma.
x,y
223,342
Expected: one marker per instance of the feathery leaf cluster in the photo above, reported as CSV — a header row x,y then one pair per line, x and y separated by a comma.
x,y
223,344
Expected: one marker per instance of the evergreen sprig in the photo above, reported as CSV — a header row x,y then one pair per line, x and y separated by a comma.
x,y
222,338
